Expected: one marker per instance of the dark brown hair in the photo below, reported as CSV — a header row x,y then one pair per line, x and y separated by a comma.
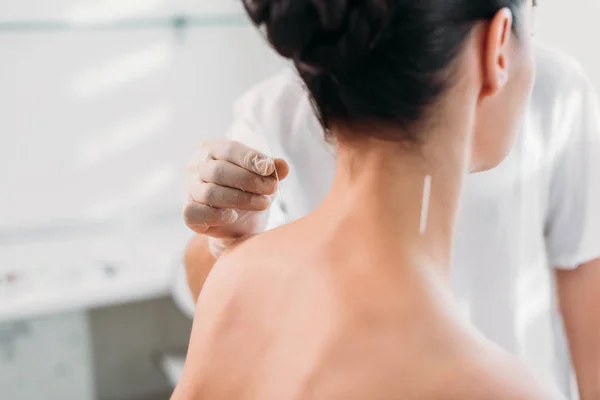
x,y
373,63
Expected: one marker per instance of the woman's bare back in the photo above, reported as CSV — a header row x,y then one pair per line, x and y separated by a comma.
x,y
277,320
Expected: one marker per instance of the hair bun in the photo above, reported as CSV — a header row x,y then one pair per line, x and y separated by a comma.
x,y
322,35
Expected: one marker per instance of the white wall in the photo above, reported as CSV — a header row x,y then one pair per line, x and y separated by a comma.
x,y
572,27
99,124
95,10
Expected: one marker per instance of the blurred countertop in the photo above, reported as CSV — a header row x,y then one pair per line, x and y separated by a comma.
x,y
81,270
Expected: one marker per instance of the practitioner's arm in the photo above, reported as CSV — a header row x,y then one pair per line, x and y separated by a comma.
x,y
198,262
573,236
230,190
579,294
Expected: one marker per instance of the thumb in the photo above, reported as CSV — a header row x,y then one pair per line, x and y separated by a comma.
x,y
282,169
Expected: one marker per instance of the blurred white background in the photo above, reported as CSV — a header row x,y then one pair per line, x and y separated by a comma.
x,y
102,103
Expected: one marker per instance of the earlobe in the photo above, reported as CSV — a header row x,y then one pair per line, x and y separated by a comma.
x,y
496,52
502,78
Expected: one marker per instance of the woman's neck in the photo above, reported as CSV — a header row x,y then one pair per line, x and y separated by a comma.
x,y
401,198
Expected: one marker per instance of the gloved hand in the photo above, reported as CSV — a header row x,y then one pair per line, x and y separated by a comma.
x,y
230,188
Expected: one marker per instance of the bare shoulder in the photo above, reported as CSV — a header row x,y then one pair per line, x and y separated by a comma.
x,y
495,375
225,322
243,272
231,288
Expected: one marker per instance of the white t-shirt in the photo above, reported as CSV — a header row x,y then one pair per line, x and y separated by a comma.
x,y
539,209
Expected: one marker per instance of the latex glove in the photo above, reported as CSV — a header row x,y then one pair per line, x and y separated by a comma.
x,y
230,188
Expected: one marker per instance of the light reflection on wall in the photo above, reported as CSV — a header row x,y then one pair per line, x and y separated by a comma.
x,y
141,193
123,136
127,68
93,114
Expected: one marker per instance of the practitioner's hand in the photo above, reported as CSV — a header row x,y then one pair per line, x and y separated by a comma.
x,y
230,188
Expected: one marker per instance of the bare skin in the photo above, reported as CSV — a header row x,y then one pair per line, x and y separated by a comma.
x,y
198,263
319,322
354,301
579,301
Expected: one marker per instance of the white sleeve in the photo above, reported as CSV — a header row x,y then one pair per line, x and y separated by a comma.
x,y
573,229
264,118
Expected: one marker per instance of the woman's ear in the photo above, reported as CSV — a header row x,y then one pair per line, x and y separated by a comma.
x,y
496,55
